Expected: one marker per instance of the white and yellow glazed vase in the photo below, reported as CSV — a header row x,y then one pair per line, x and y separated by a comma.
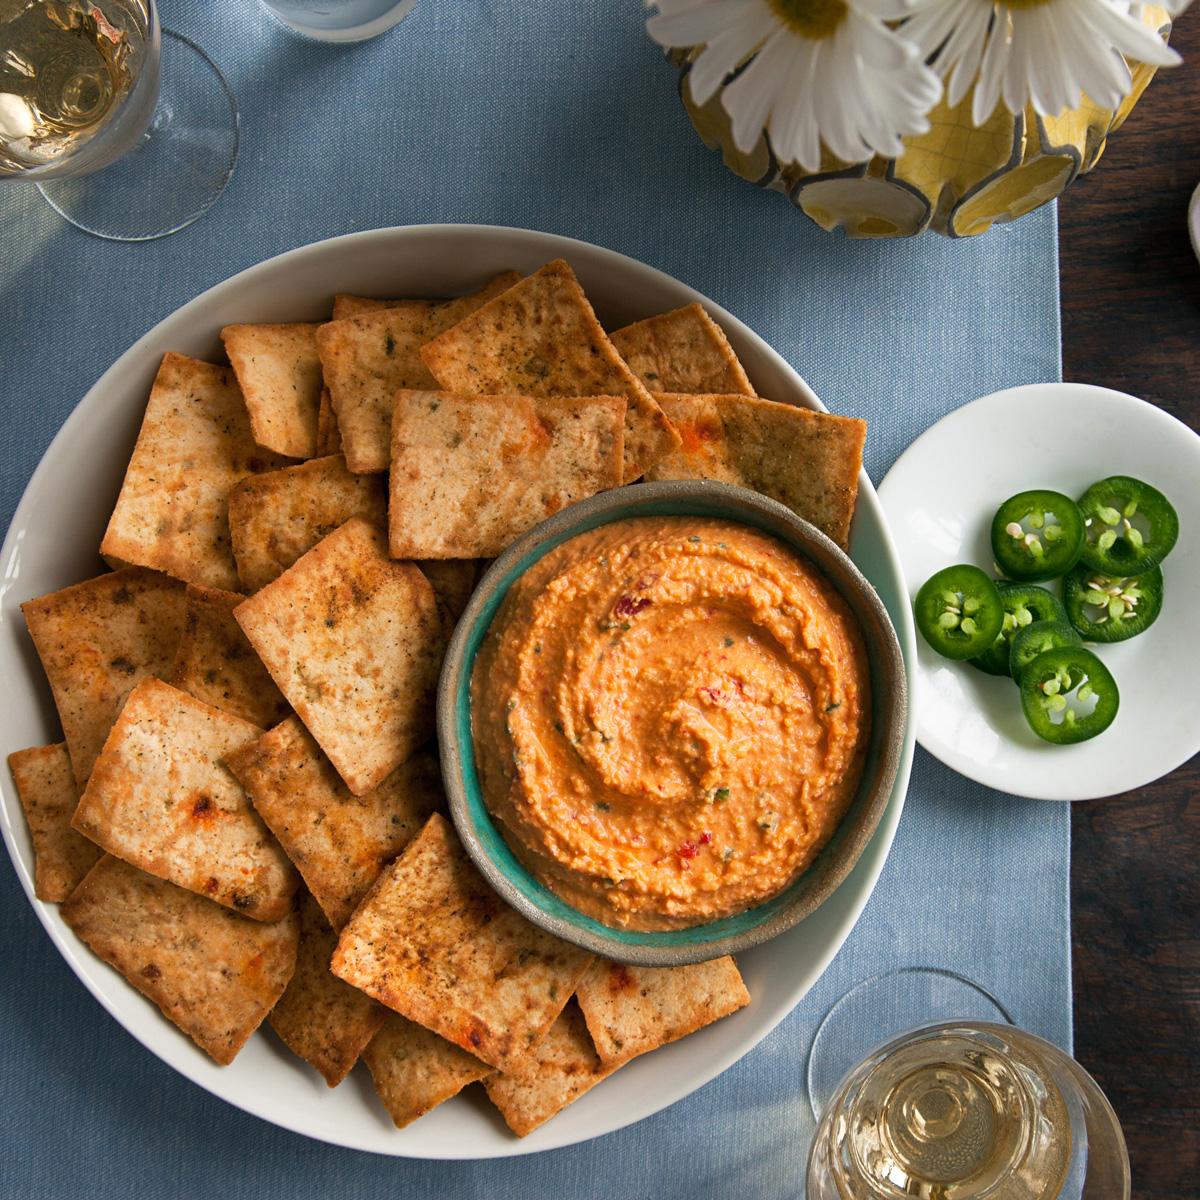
x,y
957,179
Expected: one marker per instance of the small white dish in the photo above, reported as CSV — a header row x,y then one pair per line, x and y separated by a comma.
x,y
939,499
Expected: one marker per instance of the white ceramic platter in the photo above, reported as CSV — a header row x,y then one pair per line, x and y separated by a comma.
x,y
53,542
939,499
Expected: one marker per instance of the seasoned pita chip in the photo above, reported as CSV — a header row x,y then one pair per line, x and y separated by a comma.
x,y
216,664
434,942
329,440
345,305
472,473
97,641
807,460
415,1070
161,798
46,786
682,351
559,1069
541,338
339,842
630,1010
367,358
453,579
213,973
355,642
194,445
321,1019
278,516
279,372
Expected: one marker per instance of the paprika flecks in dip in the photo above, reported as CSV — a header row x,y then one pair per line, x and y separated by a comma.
x,y
670,717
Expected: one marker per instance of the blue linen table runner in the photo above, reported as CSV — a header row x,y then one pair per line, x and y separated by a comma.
x,y
561,117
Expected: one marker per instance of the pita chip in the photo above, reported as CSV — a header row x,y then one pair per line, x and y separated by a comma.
x,y
195,444
366,358
354,641
329,440
808,460
414,1070
46,786
453,579
319,1018
432,941
279,372
472,473
682,351
560,1068
630,1010
161,798
97,641
216,664
277,516
541,338
345,305
213,973
339,842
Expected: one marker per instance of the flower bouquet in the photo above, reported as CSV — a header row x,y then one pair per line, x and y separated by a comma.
x,y
889,117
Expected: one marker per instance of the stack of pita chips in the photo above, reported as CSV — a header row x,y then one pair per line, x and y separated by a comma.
x,y
245,815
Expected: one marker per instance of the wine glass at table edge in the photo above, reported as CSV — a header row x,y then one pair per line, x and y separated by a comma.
x,y
968,1111
129,131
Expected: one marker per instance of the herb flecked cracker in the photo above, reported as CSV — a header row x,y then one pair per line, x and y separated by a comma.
x,y
808,460
472,473
279,372
414,1070
366,358
216,664
329,440
161,798
682,351
354,641
213,973
338,842
560,1068
347,305
46,787
319,1018
630,1010
541,338
97,640
276,517
194,445
453,579
432,941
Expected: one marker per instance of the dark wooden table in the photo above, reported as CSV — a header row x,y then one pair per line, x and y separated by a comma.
x,y
1131,320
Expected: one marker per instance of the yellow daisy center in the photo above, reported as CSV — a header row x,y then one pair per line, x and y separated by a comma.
x,y
816,19
1025,3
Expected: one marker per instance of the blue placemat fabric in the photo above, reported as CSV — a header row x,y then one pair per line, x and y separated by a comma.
x,y
563,117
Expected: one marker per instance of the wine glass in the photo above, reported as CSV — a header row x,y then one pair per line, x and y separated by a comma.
x,y
968,1111
887,1005
130,131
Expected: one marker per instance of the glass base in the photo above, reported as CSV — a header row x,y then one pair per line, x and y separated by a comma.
x,y
883,1007
339,20
182,165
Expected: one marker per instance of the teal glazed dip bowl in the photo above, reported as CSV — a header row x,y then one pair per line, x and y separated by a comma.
x,y
483,839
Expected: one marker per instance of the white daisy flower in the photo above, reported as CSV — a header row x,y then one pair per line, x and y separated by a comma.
x,y
1043,52
818,71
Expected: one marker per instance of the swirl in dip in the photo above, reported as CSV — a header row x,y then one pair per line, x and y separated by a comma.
x,y
670,716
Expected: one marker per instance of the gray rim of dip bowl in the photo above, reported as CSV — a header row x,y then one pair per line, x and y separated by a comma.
x,y
889,704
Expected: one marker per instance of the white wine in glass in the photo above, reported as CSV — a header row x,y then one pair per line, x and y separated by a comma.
x,y
67,69
96,88
968,1112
